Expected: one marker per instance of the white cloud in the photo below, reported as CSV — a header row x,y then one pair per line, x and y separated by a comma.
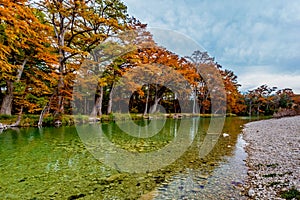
x,y
175,41
252,80
238,33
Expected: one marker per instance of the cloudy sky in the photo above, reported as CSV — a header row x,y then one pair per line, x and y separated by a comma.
x,y
259,39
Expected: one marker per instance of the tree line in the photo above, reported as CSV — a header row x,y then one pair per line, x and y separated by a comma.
x,y
45,44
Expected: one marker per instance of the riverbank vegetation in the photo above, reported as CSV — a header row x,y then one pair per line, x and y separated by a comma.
x,y
44,46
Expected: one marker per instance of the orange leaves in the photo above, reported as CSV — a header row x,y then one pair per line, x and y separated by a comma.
x,y
22,33
26,52
79,27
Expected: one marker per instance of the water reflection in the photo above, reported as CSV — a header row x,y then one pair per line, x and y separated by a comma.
x,y
224,181
53,163
115,148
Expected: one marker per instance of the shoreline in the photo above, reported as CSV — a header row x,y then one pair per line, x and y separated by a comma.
x,y
69,120
273,161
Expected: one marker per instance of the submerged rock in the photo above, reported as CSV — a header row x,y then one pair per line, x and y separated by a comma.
x,y
115,177
76,196
203,176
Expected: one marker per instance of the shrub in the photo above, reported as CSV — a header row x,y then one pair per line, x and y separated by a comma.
x,y
6,117
284,112
48,121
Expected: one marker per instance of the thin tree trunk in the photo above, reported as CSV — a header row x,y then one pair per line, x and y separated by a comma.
x,y
250,109
156,100
97,108
60,35
84,106
154,107
60,103
45,110
17,123
41,118
194,103
109,106
6,106
147,100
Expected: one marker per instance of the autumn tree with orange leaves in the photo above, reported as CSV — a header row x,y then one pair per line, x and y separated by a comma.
x,y
150,59
79,27
26,56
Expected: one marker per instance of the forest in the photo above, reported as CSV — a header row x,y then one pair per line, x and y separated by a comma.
x,y
45,45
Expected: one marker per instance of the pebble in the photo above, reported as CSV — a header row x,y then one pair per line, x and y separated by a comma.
x,y
273,157
203,176
251,193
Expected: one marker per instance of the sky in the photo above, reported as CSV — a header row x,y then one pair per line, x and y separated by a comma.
x,y
259,39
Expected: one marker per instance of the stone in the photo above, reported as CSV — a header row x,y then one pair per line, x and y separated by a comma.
x,y
196,189
251,192
115,177
203,176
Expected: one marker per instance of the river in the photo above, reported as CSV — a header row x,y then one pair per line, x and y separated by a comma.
x,y
57,163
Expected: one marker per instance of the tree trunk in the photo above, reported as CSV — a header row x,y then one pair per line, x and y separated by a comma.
x,y
147,100
154,107
109,106
194,100
60,35
60,103
45,110
97,108
40,123
6,106
17,123
156,100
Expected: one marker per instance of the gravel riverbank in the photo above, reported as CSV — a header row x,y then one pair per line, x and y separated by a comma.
x,y
273,148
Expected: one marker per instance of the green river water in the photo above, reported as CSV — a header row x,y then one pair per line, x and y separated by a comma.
x,y
54,163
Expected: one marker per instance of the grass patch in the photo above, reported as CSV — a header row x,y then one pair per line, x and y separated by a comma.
x,y
288,173
29,120
272,165
259,165
269,175
48,120
67,120
268,165
80,119
7,117
291,194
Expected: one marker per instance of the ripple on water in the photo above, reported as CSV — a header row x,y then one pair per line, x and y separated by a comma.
x,y
225,182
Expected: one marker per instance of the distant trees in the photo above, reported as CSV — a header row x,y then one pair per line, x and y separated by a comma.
x,y
267,100
207,70
235,100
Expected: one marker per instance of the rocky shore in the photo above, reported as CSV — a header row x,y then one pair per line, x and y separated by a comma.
x,y
273,161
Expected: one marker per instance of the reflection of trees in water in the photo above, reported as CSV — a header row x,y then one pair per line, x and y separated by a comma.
x,y
31,150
